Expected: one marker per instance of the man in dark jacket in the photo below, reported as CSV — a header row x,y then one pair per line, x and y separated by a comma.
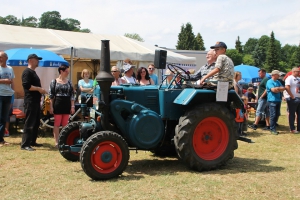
x,y
33,90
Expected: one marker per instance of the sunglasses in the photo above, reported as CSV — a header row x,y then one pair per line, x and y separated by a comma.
x,y
151,68
114,71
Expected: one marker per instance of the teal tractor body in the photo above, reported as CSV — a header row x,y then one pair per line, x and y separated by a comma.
x,y
186,122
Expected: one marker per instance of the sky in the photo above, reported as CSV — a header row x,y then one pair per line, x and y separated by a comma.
x,y
159,22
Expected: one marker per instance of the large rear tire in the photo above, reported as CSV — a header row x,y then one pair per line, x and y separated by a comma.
x,y
69,135
104,155
205,137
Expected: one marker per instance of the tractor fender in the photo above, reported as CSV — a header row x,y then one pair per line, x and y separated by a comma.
x,y
190,94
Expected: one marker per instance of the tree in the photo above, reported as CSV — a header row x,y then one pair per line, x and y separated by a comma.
x,y
272,57
238,45
85,30
52,20
248,60
256,55
186,38
286,54
10,20
29,22
73,24
235,56
134,36
260,52
200,42
295,59
250,45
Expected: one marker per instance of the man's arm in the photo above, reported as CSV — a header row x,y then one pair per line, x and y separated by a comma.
x,y
213,72
288,90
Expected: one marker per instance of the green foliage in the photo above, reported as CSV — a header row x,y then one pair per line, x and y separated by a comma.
x,y
287,53
272,57
250,45
186,38
50,19
85,30
200,42
295,59
283,66
73,24
248,60
10,20
238,45
134,36
30,22
235,56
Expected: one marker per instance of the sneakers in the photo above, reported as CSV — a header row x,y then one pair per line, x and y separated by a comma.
x,y
266,128
6,133
295,132
253,126
274,133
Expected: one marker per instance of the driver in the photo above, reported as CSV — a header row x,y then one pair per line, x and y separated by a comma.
x,y
224,67
211,58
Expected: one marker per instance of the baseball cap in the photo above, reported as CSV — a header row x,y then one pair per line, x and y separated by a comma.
x,y
219,44
34,56
275,72
127,67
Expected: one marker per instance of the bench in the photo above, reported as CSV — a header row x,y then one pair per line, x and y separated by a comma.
x,y
19,114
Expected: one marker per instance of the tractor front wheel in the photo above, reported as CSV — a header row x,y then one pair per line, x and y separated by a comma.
x,y
104,155
69,135
205,137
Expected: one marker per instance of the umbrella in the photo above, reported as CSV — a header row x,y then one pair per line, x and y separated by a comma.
x,y
249,73
18,57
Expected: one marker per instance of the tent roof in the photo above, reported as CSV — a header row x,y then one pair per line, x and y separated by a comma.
x,y
87,45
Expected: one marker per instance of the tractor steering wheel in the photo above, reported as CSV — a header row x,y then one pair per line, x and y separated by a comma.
x,y
176,70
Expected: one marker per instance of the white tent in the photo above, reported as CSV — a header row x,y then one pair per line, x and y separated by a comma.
x,y
82,45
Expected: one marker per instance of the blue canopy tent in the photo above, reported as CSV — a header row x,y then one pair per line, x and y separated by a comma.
x,y
18,57
249,73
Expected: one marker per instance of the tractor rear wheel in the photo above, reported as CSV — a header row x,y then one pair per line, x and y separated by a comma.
x,y
69,135
205,137
104,155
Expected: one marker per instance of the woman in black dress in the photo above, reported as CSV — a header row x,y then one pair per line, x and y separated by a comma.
x,y
61,94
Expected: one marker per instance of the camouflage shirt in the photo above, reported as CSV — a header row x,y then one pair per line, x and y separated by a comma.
x,y
226,66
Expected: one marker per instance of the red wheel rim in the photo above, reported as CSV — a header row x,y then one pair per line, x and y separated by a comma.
x,y
72,137
106,157
210,138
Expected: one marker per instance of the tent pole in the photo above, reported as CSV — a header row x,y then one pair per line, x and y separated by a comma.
x,y
72,62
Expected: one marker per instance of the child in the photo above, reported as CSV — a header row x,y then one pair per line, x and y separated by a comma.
x,y
242,118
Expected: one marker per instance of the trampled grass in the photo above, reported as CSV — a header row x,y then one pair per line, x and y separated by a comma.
x,y
266,169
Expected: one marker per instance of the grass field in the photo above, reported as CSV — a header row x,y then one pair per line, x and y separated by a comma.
x,y
266,169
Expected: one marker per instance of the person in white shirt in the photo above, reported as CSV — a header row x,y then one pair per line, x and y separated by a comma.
x,y
292,96
128,72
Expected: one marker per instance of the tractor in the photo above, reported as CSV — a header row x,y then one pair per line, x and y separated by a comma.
x,y
164,119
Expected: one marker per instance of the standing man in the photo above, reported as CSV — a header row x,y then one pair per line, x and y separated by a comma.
x,y
6,91
262,102
211,58
151,69
224,67
33,90
274,89
292,96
